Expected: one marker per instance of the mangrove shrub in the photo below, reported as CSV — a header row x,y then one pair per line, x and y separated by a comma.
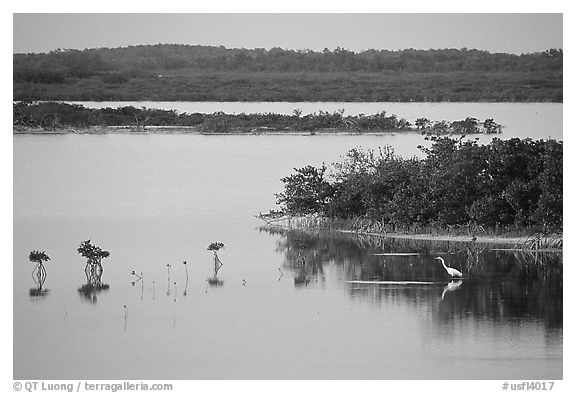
x,y
506,183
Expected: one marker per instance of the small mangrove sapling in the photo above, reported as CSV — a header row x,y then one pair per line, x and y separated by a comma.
x,y
186,286
39,272
141,279
215,247
94,256
136,275
168,266
93,270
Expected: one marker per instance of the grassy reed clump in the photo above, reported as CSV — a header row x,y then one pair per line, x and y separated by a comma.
x,y
544,241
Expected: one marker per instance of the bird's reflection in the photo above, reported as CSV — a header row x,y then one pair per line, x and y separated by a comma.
x,y
452,286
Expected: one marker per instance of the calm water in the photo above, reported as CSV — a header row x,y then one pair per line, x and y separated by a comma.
x,y
154,200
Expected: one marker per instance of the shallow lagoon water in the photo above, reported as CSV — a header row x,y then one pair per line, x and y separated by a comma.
x,y
154,200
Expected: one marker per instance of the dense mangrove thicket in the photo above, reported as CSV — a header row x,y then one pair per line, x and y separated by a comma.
x,y
203,73
83,63
507,184
54,115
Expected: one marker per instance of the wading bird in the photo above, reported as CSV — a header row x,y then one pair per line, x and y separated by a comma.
x,y
451,271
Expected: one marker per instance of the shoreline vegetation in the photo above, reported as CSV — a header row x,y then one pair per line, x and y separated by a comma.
x,y
209,73
58,117
525,240
508,191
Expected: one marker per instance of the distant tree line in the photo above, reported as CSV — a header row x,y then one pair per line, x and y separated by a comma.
x,y
83,63
505,184
202,73
54,115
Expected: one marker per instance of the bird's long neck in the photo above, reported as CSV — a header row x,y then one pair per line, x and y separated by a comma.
x,y
443,264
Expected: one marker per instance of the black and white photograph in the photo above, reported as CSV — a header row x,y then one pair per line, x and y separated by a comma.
x,y
272,196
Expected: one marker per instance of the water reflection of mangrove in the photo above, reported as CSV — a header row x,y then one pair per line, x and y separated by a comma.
x,y
498,285
94,285
39,277
214,280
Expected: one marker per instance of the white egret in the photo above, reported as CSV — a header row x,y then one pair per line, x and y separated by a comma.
x,y
451,271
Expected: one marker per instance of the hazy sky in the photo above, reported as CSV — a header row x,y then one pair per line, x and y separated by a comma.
x,y
512,33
